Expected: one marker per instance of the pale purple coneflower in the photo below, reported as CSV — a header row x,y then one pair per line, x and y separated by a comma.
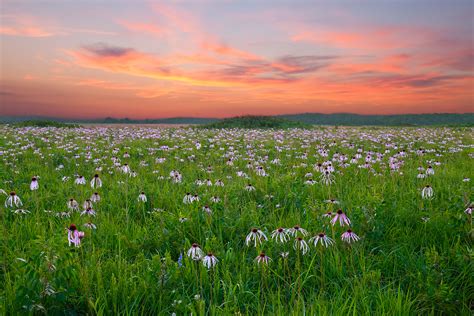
x,y
95,197
341,217
322,239
80,180
90,225
300,244
256,236
430,171
74,236
207,209
215,199
195,252
142,197
468,211
96,182
209,260
13,199
188,198
249,187
349,236
72,205
89,211
87,204
280,235
296,230
34,185
262,259
427,192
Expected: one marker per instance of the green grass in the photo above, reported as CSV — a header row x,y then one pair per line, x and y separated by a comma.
x,y
402,265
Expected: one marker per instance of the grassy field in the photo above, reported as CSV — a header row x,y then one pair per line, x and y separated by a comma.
x,y
411,253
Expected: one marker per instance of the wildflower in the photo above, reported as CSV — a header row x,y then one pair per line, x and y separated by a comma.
x,y
300,244
89,211
349,236
260,171
183,219
466,180
188,198
219,183
341,217
332,201
195,252
295,230
80,180
207,209
256,236
430,171
249,187
323,239
74,236
180,260
96,182
209,261
427,192
125,168
468,211
90,225
72,205
327,178
262,259
280,235
328,214
142,197
34,185
195,198
95,197
21,211
87,204
13,199
284,254
215,199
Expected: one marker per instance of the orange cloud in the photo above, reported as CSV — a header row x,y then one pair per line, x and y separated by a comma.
x,y
27,31
143,27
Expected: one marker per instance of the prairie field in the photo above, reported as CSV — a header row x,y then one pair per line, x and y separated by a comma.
x,y
180,221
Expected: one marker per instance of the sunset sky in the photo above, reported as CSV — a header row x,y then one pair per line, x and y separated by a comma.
x,y
153,59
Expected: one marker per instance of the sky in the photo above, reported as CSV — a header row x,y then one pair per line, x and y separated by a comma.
x,y
155,59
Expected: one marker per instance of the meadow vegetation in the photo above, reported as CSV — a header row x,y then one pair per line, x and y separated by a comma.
x,y
103,221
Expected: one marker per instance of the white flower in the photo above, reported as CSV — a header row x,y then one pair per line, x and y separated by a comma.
x,y
280,235
300,244
142,197
427,192
72,205
209,261
349,236
249,187
96,182
262,259
195,252
34,185
256,236
89,211
13,199
322,239
295,230
80,180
